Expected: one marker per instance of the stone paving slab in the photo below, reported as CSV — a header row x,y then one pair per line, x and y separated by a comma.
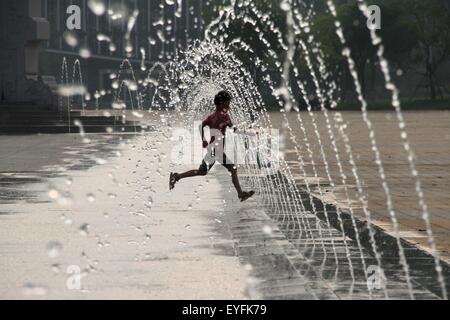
x,y
128,245
330,256
429,133
135,240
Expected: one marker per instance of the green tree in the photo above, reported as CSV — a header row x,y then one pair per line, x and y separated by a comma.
x,y
432,20
395,26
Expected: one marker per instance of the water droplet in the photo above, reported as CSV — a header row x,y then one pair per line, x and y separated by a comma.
x,y
54,249
149,202
53,194
64,201
267,230
70,38
84,229
85,53
56,268
30,289
100,161
98,7
90,197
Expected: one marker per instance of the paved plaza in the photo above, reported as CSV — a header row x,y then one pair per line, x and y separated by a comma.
x,y
429,132
98,213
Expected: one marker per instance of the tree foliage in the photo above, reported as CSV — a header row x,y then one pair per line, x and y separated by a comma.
x,y
415,33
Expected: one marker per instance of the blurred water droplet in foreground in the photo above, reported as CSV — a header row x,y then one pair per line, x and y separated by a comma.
x,y
53,194
98,7
84,229
53,249
90,197
248,267
267,230
30,289
71,39
149,202
85,53
56,268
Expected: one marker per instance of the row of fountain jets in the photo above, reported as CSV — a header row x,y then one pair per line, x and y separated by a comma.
x,y
187,84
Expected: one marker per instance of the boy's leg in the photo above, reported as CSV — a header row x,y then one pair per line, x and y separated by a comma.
x,y
235,179
201,171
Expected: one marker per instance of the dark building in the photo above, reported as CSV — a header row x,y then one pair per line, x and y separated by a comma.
x,y
33,34
162,27
22,33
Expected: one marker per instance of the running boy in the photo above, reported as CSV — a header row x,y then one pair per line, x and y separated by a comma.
x,y
218,122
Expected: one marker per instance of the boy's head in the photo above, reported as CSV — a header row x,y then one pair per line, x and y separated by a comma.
x,y
222,100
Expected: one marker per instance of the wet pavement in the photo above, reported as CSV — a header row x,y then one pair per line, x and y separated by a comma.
x,y
103,207
29,161
429,133
334,266
109,215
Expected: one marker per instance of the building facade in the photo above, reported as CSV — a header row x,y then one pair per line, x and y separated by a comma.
x,y
162,27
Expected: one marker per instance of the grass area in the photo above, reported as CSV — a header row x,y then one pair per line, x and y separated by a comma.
x,y
407,104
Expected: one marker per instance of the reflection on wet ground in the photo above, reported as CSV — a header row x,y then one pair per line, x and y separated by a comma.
x,y
428,132
327,264
290,254
15,186
29,186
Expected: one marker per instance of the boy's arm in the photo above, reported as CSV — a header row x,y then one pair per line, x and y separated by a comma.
x,y
228,123
251,132
202,133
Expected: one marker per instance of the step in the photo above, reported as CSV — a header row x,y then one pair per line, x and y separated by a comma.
x,y
20,130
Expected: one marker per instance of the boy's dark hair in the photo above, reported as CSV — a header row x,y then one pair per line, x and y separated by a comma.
x,y
221,97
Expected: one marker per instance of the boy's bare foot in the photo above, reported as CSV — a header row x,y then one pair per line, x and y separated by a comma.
x,y
172,180
246,195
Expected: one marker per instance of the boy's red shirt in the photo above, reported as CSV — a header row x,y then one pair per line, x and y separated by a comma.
x,y
218,120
